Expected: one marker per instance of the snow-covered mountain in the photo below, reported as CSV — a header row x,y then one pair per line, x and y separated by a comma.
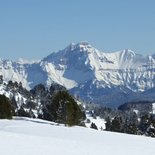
x,y
106,78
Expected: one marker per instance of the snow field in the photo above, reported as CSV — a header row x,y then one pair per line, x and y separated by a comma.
x,y
33,136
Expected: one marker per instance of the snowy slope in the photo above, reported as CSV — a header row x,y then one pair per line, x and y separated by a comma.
x,y
13,71
29,137
20,97
100,123
153,108
10,93
84,70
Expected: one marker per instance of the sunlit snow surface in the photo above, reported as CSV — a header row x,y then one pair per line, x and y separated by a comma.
x,y
153,108
36,137
99,122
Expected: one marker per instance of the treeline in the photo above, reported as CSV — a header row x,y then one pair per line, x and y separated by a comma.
x,y
53,104
57,105
6,109
144,125
133,118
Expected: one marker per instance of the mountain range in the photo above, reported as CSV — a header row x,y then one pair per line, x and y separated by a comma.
x,y
109,79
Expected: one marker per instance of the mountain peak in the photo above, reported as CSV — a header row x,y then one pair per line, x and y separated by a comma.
x,y
83,43
128,51
78,46
86,70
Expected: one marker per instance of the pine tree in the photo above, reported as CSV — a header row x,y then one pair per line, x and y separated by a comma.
x,y
116,124
21,112
62,108
108,124
5,108
1,79
93,126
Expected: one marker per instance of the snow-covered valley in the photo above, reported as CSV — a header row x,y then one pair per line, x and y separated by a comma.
x,y
33,136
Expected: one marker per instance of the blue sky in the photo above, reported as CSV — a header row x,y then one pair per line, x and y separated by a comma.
x,y
32,29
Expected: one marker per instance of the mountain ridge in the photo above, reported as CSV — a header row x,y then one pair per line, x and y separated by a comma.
x,y
81,68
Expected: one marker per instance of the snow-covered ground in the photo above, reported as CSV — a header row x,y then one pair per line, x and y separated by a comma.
x,y
153,108
99,122
36,137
